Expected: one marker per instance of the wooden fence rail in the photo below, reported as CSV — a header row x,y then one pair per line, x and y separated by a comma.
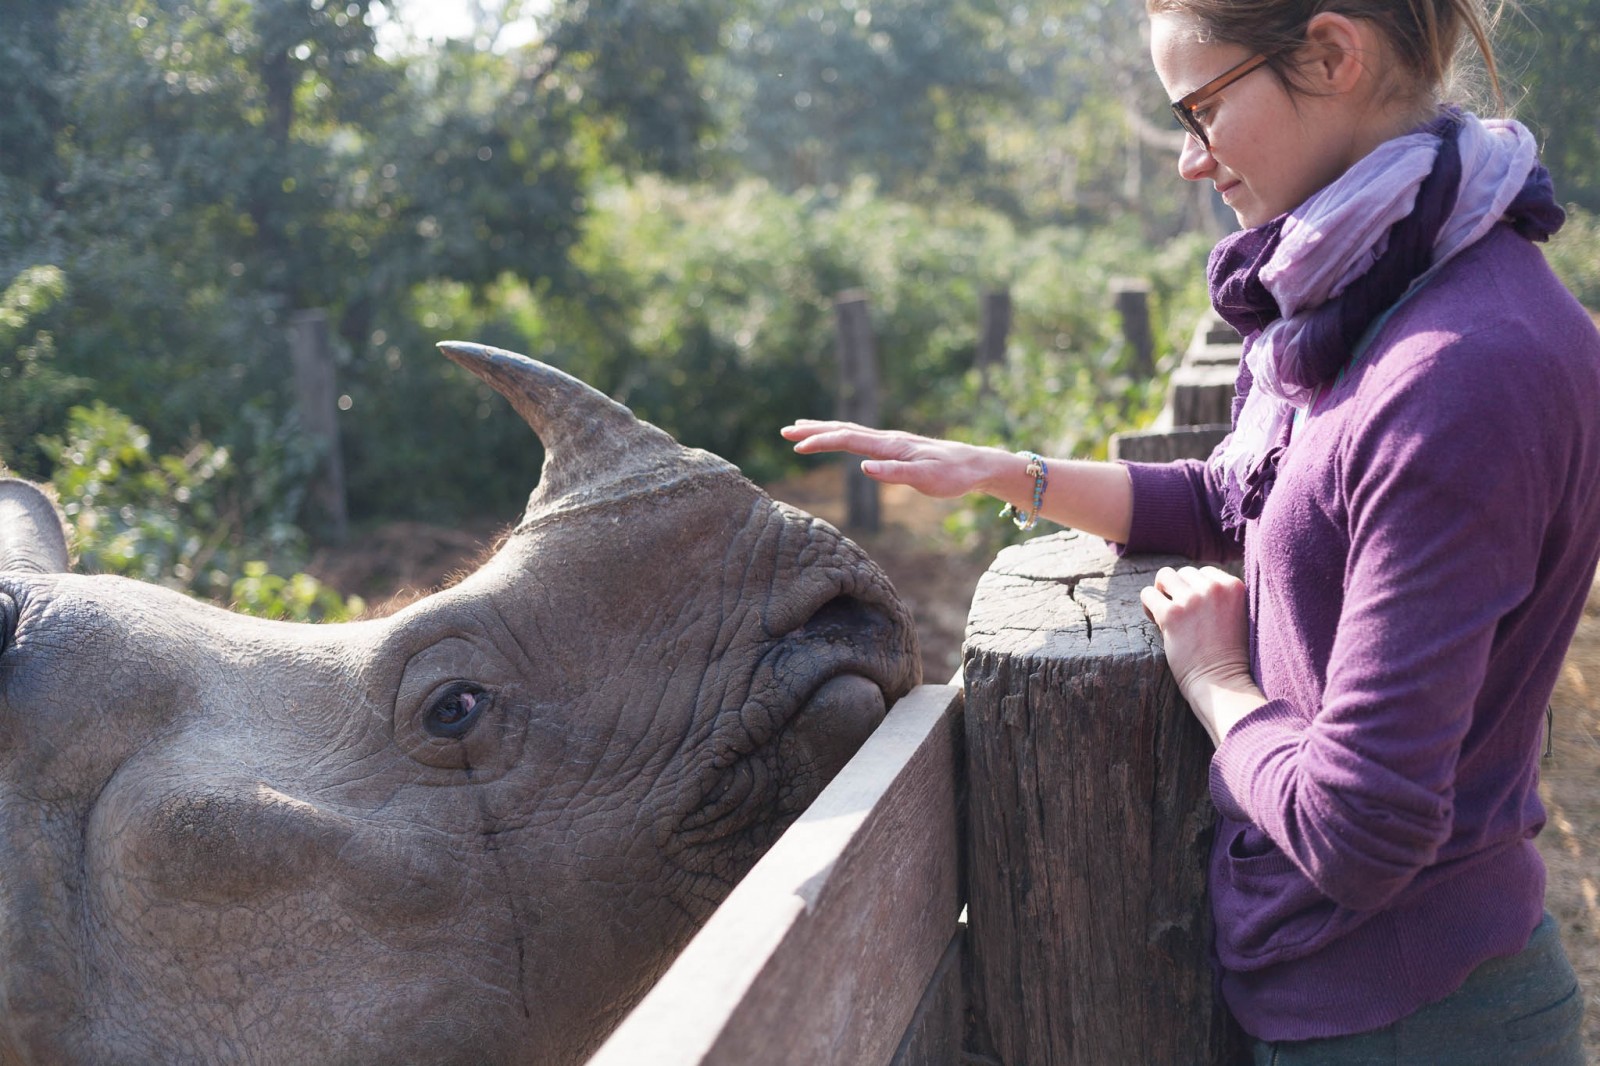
x,y
824,952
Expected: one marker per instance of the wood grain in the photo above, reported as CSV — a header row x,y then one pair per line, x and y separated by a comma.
x,y
823,952
1089,820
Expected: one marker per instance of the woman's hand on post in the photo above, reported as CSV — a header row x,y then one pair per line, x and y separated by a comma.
x,y
1202,616
939,468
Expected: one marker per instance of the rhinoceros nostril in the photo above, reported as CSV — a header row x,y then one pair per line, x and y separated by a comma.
x,y
8,621
845,618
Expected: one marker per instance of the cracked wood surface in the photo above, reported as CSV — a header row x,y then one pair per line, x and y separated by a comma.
x,y
1089,819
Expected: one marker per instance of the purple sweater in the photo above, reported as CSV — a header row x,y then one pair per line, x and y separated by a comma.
x,y
1414,581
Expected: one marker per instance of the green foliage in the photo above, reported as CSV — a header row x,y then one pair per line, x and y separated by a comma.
x,y
1552,48
300,598
1574,254
818,94
33,392
711,314
639,67
199,172
173,519
29,65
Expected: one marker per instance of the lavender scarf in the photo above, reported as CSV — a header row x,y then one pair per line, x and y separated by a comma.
x,y
1304,287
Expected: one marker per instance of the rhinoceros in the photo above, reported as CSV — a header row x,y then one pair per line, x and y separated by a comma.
x,y
474,831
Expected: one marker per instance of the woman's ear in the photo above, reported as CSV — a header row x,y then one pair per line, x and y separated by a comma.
x,y
1338,51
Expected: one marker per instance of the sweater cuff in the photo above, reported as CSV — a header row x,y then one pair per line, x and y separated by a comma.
x,y
1271,732
1163,509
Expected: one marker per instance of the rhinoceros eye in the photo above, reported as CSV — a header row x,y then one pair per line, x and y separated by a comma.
x,y
456,710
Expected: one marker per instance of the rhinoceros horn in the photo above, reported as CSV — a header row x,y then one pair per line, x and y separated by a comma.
x,y
32,539
596,450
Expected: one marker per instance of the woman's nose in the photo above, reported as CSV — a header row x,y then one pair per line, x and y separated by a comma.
x,y
1195,161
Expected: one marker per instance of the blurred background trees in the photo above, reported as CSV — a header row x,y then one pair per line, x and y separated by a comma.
x,y
662,198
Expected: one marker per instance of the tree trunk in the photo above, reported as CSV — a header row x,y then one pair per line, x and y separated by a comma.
x,y
316,403
858,400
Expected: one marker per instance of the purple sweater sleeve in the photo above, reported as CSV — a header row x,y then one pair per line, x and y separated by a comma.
x,y
1447,495
1175,509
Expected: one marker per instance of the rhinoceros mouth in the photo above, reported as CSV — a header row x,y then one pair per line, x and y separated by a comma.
x,y
816,698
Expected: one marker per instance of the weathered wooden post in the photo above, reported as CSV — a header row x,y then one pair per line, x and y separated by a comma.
x,y
858,399
1130,297
1201,390
317,405
1199,401
1089,820
994,330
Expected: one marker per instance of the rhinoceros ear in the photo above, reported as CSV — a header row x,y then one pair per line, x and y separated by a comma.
x,y
595,449
32,537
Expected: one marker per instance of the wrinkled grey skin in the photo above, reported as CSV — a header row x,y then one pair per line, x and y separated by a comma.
x,y
472,832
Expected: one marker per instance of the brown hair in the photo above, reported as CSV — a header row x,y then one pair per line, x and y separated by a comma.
x,y
1425,34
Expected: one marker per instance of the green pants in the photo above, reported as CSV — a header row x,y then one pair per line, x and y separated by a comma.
x,y
1524,1010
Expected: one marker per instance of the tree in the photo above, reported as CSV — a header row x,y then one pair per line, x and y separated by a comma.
x,y
201,169
816,94
1553,48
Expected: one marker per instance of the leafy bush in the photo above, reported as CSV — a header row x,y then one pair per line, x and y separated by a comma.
x,y
301,598
1574,254
175,520
34,393
710,312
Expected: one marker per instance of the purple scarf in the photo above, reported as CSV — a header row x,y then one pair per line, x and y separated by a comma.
x,y
1328,332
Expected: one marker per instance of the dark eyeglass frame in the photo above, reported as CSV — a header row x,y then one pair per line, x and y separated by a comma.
x,y
1183,107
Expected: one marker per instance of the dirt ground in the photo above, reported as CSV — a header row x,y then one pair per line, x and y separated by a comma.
x,y
409,559
1570,788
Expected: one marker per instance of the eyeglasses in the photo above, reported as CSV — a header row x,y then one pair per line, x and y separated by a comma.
x,y
1184,108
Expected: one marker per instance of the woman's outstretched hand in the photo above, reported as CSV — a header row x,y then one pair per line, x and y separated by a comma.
x,y
1202,616
939,468
1094,497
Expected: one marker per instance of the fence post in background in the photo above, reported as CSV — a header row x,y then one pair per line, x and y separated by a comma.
x,y
994,328
1089,820
317,405
1131,299
1199,405
858,400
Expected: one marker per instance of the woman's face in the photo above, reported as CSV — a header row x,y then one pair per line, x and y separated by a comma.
x,y
1269,151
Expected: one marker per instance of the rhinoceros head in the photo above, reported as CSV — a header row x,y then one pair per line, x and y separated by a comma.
x,y
474,831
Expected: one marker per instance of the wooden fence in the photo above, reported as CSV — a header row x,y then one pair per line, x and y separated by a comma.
x,y
1010,871
840,945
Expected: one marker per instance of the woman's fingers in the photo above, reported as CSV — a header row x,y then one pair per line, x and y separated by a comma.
x,y
812,437
807,428
801,428
1201,614
1189,583
936,477
1155,605
936,468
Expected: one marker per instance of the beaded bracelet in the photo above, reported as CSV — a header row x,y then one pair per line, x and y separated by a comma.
x,y
1041,478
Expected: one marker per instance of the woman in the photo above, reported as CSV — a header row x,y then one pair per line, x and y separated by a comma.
x,y
1413,483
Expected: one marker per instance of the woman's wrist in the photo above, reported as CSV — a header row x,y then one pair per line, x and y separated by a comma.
x,y
1221,704
1095,497
1026,516
1006,477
